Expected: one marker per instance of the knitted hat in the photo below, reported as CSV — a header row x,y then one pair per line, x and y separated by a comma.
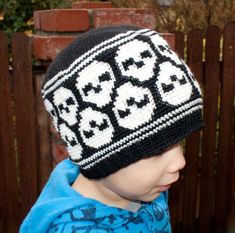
x,y
119,94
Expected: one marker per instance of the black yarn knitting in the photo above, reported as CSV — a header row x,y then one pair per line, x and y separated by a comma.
x,y
119,94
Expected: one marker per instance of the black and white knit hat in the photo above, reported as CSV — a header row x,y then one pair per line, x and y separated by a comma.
x,y
119,94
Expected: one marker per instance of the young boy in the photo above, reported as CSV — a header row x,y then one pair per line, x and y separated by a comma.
x,y
123,102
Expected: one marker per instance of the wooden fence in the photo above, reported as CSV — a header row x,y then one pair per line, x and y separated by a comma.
x,y
199,202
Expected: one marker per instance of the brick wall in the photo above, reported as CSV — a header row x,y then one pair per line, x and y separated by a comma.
x,y
58,27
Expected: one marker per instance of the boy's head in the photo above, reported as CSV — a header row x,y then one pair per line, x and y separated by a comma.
x,y
118,95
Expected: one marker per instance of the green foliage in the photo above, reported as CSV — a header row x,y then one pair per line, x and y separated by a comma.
x,y
17,14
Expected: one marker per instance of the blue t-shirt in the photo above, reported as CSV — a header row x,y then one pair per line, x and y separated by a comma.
x,y
60,209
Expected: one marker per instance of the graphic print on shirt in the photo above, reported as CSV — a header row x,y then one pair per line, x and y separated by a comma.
x,y
173,84
66,104
133,105
95,128
95,83
87,219
136,60
74,147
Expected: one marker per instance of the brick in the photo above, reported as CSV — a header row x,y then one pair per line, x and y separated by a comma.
x,y
139,17
92,5
47,47
36,19
62,20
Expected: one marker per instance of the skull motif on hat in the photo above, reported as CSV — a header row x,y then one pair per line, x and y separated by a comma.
x,y
133,105
73,146
136,59
51,110
173,84
66,104
95,128
163,48
95,83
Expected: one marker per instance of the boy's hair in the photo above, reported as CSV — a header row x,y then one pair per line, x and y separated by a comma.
x,y
119,94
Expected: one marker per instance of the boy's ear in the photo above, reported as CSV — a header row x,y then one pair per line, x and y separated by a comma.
x,y
53,130
59,150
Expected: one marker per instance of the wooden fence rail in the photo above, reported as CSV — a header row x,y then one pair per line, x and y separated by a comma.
x,y
199,202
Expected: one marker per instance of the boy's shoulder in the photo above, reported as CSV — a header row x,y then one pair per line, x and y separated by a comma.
x,y
60,208
97,216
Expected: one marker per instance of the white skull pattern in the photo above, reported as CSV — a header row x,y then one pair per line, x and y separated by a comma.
x,y
173,85
50,109
73,146
95,128
133,106
96,82
164,49
66,104
136,59
195,82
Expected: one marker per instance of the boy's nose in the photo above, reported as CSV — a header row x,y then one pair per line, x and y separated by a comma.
x,y
177,161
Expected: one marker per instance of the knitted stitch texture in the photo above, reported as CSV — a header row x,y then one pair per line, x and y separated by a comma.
x,y
119,94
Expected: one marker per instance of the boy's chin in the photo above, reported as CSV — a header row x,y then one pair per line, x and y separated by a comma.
x,y
150,198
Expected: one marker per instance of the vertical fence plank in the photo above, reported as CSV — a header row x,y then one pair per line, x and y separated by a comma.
x,y
43,135
231,223
179,44
176,192
211,91
194,55
25,119
8,179
224,163
232,207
